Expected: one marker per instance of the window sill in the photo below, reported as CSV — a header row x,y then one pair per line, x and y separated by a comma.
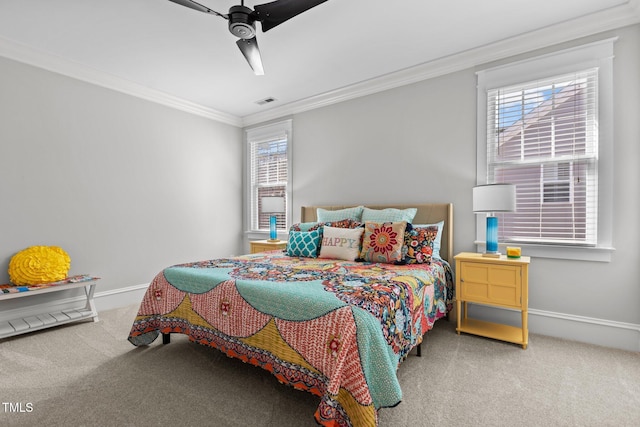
x,y
600,254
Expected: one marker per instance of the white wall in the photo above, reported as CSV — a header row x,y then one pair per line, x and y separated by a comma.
x,y
124,185
418,144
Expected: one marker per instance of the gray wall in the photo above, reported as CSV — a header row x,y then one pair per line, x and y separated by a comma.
x,y
128,187
124,185
418,143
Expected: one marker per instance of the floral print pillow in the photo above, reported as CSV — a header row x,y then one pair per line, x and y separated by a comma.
x,y
344,223
310,226
303,226
418,244
382,242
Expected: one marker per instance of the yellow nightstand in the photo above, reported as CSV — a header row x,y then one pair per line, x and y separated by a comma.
x,y
499,282
265,245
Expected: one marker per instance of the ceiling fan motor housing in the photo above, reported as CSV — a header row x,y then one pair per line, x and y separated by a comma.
x,y
242,22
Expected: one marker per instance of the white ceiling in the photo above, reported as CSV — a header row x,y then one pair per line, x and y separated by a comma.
x,y
342,48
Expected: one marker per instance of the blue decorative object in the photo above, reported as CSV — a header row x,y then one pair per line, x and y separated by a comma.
x,y
272,205
273,233
493,198
492,235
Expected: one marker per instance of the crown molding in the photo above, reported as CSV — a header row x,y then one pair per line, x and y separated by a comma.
x,y
28,55
609,19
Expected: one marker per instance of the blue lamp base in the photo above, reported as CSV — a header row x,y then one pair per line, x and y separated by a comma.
x,y
491,248
273,232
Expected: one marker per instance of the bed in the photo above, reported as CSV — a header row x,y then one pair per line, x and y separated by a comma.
x,y
333,327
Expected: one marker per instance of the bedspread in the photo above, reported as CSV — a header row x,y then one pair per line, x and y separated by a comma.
x,y
337,329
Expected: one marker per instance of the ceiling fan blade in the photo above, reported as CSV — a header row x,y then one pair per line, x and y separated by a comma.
x,y
277,12
249,48
197,6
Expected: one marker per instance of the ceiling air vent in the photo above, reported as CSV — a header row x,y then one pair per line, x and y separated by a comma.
x,y
265,100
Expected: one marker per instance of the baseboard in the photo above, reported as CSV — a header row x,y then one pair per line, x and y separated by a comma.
x,y
131,295
607,333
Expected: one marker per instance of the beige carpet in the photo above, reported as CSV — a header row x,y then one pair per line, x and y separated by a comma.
x,y
88,374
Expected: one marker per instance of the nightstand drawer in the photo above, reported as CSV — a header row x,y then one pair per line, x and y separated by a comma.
x,y
491,284
266,245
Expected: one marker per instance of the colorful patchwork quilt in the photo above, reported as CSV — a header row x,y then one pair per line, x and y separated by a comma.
x,y
337,329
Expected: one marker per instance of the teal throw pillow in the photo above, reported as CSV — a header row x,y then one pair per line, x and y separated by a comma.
x,y
304,243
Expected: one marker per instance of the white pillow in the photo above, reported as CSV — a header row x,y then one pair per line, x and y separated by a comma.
x,y
341,243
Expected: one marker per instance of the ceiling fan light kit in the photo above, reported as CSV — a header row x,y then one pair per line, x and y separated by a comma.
x,y
242,22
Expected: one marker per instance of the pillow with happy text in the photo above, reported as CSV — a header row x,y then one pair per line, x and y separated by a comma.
x,y
341,243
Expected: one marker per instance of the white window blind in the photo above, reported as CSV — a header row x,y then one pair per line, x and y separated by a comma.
x,y
542,136
269,166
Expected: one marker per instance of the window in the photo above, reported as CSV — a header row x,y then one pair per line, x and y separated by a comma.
x,y
268,156
544,124
540,135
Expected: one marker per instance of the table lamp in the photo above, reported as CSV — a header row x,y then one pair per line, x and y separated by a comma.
x,y
273,205
493,198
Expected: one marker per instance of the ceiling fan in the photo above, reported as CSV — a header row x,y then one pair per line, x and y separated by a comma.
x,y
242,22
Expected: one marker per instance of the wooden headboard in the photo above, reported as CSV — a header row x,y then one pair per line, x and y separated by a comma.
x,y
427,214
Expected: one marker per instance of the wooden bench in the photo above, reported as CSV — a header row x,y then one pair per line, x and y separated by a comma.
x,y
45,319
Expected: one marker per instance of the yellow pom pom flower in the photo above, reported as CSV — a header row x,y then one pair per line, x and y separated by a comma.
x,y
39,264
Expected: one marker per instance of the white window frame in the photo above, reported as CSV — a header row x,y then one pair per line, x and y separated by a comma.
x,y
273,131
593,55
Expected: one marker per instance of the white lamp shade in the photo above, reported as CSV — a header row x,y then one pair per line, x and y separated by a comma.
x,y
494,198
272,204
